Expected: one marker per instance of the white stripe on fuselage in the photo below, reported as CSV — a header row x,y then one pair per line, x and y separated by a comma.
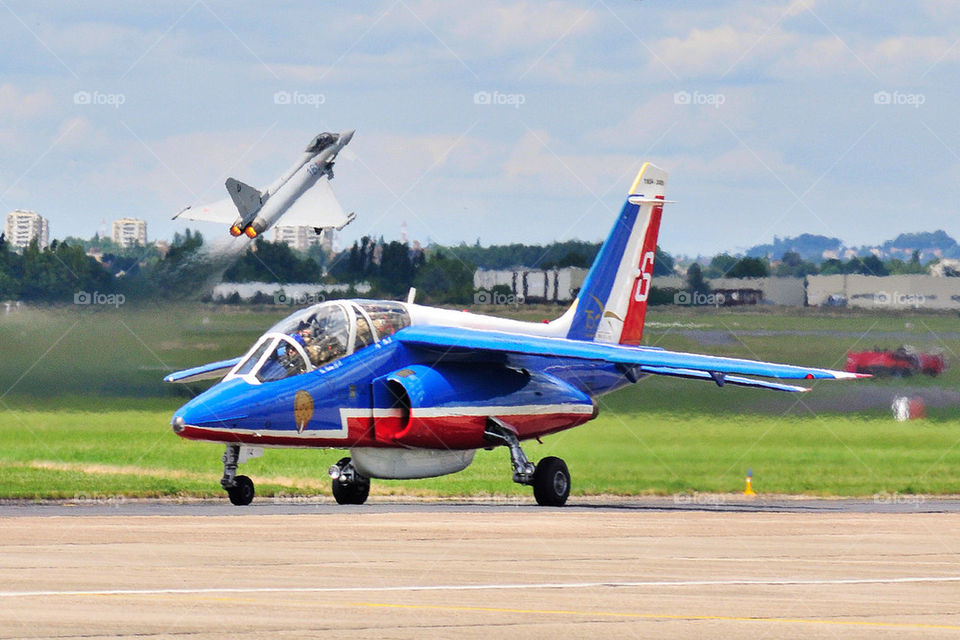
x,y
434,316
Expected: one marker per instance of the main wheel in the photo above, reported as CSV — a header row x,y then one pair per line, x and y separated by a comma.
x,y
242,492
351,493
551,482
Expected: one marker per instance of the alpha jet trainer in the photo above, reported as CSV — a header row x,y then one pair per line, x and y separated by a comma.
x,y
301,197
414,391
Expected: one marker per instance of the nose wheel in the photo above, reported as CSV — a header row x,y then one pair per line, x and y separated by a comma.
x,y
241,493
239,488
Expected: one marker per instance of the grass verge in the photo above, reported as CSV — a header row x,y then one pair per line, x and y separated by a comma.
x,y
77,454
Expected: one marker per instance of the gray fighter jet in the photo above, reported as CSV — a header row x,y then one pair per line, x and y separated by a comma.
x,y
300,197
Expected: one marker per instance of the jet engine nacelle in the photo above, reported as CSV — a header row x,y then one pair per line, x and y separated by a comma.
x,y
447,405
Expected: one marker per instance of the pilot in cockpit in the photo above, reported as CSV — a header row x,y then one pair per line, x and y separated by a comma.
x,y
319,346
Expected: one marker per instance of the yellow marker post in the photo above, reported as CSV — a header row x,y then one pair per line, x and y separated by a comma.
x,y
749,490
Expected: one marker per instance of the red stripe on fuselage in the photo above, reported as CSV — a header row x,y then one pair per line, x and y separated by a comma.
x,y
440,432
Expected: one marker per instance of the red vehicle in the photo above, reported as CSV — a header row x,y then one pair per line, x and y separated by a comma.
x,y
903,361
932,364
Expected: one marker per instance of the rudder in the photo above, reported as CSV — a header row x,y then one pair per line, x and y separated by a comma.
x,y
612,303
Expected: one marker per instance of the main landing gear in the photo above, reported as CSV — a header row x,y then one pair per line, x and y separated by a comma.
x,y
239,488
550,478
349,487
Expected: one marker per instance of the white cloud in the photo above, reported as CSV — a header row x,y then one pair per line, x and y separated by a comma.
x,y
541,165
520,26
17,106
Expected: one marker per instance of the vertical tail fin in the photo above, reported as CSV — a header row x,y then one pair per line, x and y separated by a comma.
x,y
612,303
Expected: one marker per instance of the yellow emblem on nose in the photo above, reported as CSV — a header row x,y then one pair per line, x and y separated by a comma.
x,y
302,409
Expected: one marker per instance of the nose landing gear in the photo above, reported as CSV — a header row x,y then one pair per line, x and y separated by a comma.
x,y
239,489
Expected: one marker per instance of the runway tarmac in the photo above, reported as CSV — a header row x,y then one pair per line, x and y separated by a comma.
x,y
620,568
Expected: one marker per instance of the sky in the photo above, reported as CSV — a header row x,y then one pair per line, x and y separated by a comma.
x,y
499,121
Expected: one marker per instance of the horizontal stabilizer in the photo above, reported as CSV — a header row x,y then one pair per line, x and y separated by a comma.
x,y
203,372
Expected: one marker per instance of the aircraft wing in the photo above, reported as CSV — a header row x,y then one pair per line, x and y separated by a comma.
x,y
203,372
224,211
644,359
316,207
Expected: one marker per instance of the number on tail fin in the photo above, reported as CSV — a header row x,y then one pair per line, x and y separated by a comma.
x,y
646,275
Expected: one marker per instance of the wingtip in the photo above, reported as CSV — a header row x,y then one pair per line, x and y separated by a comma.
x,y
848,375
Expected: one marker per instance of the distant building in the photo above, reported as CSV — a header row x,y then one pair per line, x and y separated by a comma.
x,y
128,232
886,292
300,238
784,291
296,294
529,285
946,268
24,226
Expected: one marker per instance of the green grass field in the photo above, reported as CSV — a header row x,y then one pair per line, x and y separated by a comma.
x,y
83,414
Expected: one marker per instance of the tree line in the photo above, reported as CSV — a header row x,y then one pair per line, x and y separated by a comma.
x,y
792,264
442,275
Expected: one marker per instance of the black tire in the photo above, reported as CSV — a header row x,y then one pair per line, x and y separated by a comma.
x,y
551,482
353,493
350,493
241,494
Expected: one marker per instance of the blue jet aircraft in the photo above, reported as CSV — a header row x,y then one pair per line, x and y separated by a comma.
x,y
413,391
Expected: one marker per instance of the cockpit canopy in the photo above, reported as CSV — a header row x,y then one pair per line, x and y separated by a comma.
x,y
320,142
313,337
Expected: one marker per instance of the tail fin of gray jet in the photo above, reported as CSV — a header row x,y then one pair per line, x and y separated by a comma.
x,y
247,199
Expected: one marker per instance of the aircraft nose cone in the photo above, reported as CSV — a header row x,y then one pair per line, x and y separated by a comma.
x,y
223,405
346,136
